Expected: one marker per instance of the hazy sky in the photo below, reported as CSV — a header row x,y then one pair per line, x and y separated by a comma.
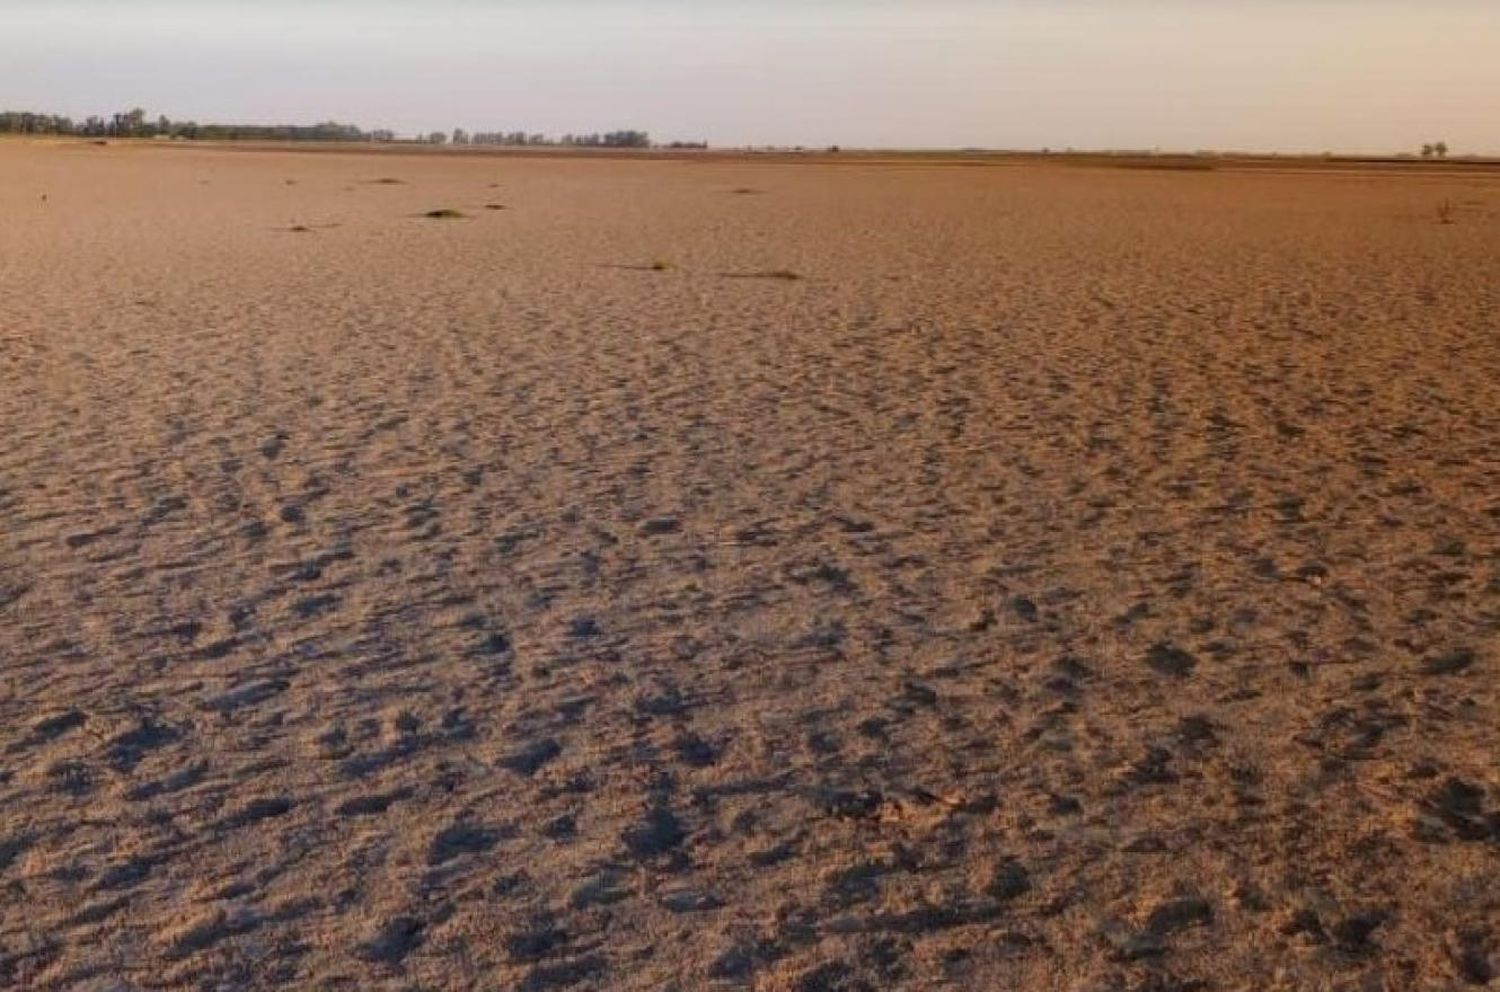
x,y
1307,75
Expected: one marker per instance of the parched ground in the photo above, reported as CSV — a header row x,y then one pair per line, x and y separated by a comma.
x,y
1075,579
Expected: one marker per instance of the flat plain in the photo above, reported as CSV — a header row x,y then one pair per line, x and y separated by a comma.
x,y
707,574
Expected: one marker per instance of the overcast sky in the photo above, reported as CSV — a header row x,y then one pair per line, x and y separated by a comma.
x,y
1295,75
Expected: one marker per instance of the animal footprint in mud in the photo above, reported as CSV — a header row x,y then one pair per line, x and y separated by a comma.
x,y
1168,659
659,832
371,805
535,940
1010,880
1174,915
690,901
312,606
265,808
695,751
1449,664
584,627
51,727
460,839
851,805
392,940
206,929
783,275
128,749
532,757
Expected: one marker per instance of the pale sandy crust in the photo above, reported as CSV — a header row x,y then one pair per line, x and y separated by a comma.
x,y
716,574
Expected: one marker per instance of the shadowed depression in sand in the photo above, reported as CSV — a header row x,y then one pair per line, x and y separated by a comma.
x,y
731,574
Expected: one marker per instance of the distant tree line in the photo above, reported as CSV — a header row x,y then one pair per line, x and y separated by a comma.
x,y
134,123
612,139
130,123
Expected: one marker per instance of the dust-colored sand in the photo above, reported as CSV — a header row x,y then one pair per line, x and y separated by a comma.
x,y
1078,579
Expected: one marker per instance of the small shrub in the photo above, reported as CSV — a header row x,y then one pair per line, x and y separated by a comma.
x,y
444,213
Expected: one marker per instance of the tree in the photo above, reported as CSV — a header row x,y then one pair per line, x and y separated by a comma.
x,y
437,138
460,136
1440,149
1427,150
626,139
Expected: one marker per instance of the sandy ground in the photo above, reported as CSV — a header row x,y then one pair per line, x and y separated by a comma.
x,y
1078,579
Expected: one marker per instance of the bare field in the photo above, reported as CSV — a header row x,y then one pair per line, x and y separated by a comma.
x,y
715,574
